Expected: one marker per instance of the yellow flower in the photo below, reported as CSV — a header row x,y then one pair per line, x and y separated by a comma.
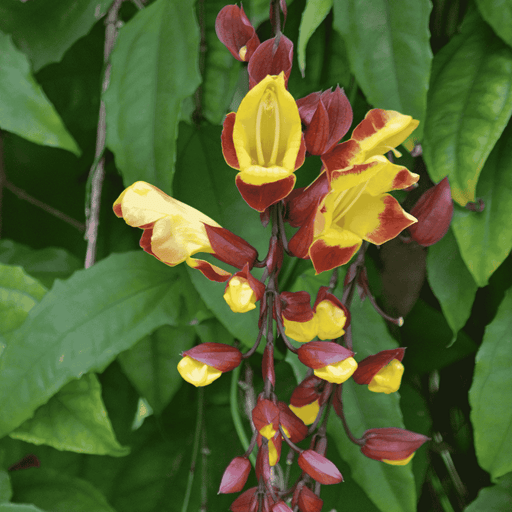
x,y
388,379
337,373
197,373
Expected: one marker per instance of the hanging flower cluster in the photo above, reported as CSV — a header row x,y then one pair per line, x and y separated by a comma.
x,y
346,207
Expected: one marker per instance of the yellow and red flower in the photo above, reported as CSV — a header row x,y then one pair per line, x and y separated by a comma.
x,y
349,203
263,139
174,231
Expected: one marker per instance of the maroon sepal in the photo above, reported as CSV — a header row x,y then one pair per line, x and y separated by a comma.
x,y
371,365
302,202
319,468
301,155
309,390
268,364
296,306
265,413
230,248
236,31
308,501
434,211
218,355
281,506
29,461
391,443
209,272
268,60
235,476
246,502
318,354
262,462
226,139
293,424
301,242
260,197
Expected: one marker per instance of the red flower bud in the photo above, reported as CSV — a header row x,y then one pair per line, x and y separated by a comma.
x,y
296,306
268,364
434,211
268,60
309,390
319,468
218,355
281,506
263,463
246,502
235,476
236,32
308,501
391,444
327,116
317,354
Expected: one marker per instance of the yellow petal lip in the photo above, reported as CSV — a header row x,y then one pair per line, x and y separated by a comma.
x,y
268,431
267,130
402,462
339,372
239,295
331,320
197,373
301,331
307,413
387,380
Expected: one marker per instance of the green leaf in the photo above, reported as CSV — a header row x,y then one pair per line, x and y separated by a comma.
x,y
391,488
19,293
498,13
83,323
17,507
451,282
45,29
154,68
314,13
24,108
490,395
389,51
75,420
58,492
45,265
221,70
485,238
5,486
497,498
151,363
469,105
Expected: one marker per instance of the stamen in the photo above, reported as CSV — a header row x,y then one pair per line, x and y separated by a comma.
x,y
268,107
357,194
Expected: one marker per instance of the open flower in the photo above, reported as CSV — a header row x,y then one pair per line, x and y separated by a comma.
x,y
355,206
264,141
174,231
330,361
394,446
203,364
382,372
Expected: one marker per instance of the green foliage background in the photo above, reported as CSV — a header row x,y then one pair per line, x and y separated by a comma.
x,y
87,357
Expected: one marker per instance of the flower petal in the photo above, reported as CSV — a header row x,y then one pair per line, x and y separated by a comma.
x,y
197,373
333,249
390,177
226,138
260,197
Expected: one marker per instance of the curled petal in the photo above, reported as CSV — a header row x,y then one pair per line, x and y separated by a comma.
x,y
235,476
319,468
212,272
228,147
218,355
236,32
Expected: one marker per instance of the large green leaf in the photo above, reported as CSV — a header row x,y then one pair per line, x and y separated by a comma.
x,y
221,69
24,108
451,282
44,264
391,488
5,486
314,13
389,51
485,238
154,68
151,363
469,105
498,13
19,293
83,323
75,420
497,498
45,29
490,395
18,507
58,492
